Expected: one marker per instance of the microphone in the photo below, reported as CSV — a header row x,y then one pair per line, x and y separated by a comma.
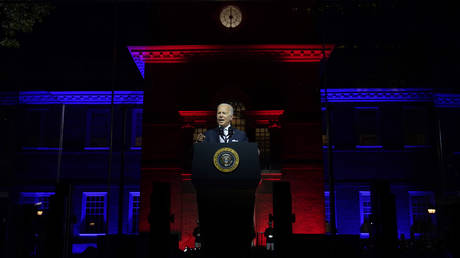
x,y
221,131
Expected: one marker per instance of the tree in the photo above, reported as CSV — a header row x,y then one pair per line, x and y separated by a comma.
x,y
20,17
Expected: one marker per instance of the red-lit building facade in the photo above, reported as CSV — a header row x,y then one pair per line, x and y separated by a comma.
x,y
275,91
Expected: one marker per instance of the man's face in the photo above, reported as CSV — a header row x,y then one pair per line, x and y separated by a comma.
x,y
223,115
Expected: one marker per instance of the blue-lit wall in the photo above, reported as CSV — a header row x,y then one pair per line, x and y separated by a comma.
x,y
407,168
35,167
347,209
402,209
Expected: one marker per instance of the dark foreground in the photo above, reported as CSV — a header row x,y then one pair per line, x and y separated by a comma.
x,y
405,249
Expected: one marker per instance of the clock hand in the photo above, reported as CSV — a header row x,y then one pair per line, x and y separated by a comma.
x,y
231,17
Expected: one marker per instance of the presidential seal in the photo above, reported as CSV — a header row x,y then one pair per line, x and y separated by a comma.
x,y
226,160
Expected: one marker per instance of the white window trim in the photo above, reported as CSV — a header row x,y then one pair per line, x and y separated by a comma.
x,y
361,210
130,211
83,208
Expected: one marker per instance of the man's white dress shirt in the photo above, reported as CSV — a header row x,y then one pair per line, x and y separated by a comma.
x,y
222,139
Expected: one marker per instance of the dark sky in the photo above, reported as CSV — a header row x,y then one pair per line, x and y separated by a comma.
x,y
73,48
82,46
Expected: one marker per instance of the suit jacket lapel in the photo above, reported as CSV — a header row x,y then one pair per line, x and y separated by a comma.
x,y
216,131
234,136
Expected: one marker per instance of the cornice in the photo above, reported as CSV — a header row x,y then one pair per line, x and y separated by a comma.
x,y
440,100
185,53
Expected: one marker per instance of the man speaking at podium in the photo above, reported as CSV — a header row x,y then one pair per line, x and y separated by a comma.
x,y
224,133
227,226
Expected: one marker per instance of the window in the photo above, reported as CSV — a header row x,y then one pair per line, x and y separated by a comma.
x,y
238,121
365,211
94,213
39,199
134,206
327,207
415,122
136,128
421,220
42,129
98,128
5,130
35,120
366,123
325,140
263,140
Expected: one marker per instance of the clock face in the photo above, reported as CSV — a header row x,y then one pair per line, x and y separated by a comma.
x,y
231,16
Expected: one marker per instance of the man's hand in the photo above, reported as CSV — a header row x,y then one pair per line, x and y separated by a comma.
x,y
200,137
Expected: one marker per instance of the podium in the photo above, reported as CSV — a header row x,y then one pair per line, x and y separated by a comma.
x,y
225,177
245,175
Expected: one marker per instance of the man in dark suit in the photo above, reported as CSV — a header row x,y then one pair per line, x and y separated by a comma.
x,y
224,133
230,233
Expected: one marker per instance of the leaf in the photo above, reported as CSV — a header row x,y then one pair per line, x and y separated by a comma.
x,y
20,17
10,43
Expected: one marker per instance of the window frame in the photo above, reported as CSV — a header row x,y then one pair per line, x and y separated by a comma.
x,y
36,196
363,197
327,205
85,195
428,194
133,126
131,211
88,136
357,122
324,137
427,140
43,142
239,121
264,145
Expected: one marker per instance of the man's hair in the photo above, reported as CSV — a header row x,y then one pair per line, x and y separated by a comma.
x,y
231,107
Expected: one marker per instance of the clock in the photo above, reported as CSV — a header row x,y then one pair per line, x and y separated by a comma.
x,y
231,16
